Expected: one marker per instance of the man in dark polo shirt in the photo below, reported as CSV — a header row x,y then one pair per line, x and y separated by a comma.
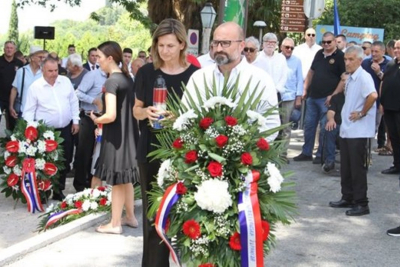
x,y
390,101
8,67
376,66
323,80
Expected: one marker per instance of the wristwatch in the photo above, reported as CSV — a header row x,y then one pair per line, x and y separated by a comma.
x,y
361,115
380,74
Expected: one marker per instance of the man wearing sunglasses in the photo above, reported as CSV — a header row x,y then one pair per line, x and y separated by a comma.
x,y
306,52
323,80
291,98
251,48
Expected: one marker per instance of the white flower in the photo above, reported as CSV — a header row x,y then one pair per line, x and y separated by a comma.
x,y
48,135
96,193
275,178
31,151
22,147
213,101
94,205
41,146
183,120
32,123
39,164
6,170
6,154
213,195
13,138
50,208
17,170
163,172
261,120
109,197
86,205
54,155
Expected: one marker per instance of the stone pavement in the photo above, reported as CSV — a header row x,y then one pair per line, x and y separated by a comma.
x,y
320,235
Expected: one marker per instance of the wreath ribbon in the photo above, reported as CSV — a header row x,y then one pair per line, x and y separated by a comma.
x,y
168,201
251,240
59,215
30,190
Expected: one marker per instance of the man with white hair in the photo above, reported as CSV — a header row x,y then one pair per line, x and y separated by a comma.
x,y
273,62
306,51
358,125
251,48
23,79
75,69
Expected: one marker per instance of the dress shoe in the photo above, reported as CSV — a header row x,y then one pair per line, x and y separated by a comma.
x,y
358,210
302,157
341,204
58,196
391,170
317,160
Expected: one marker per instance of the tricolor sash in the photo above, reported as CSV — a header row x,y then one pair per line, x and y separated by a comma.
x,y
59,215
168,201
251,240
30,190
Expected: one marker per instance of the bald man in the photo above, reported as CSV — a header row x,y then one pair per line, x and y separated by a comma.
x,y
228,44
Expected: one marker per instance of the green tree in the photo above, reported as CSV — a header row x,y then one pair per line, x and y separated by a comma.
x,y
366,13
13,25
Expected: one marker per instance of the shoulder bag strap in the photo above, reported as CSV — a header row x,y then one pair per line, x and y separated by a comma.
x,y
23,82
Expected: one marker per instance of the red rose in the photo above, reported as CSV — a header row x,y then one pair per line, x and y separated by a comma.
x,y
181,189
103,201
12,146
215,168
28,164
221,140
51,145
191,229
78,204
206,122
234,241
230,121
63,205
101,188
12,180
31,133
265,229
50,169
44,185
178,143
207,265
11,161
191,156
247,159
262,144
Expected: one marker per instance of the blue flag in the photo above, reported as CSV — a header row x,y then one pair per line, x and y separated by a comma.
x,y
336,21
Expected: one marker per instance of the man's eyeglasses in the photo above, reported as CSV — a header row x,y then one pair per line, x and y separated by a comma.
x,y
289,47
142,56
224,43
311,34
327,42
249,49
364,47
270,42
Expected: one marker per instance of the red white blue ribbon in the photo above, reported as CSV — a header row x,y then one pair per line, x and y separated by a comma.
x,y
252,252
168,201
59,215
30,190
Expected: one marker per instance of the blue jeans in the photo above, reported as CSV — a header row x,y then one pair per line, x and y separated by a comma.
x,y
330,142
315,113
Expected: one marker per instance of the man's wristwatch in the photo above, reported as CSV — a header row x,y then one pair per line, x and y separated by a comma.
x,y
361,115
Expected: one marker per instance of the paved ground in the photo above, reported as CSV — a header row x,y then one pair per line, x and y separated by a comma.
x,y
320,236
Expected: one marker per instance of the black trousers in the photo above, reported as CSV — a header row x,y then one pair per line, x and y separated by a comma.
x,y
353,172
381,133
10,120
155,253
67,144
83,154
392,121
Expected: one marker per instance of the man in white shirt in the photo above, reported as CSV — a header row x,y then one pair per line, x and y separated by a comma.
x,y
71,50
52,99
207,59
306,52
228,44
273,62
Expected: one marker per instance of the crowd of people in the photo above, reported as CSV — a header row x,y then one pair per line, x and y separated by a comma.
x,y
346,89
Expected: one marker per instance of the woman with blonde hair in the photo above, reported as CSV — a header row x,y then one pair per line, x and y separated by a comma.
x,y
168,52
116,163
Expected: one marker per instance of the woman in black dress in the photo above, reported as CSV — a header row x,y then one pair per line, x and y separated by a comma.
x,y
169,60
117,164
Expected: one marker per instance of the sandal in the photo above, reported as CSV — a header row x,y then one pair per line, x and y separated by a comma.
x,y
380,149
386,152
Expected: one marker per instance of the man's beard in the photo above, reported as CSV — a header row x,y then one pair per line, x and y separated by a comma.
x,y
222,58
